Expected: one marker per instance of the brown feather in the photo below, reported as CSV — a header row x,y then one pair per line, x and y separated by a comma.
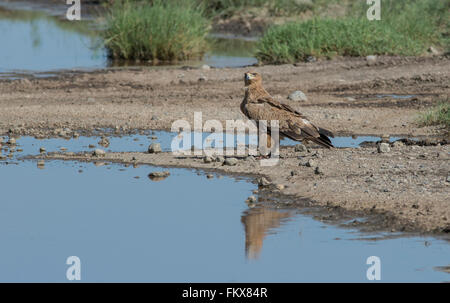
x,y
258,105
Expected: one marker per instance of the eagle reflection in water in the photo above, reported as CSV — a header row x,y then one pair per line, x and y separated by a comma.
x,y
259,222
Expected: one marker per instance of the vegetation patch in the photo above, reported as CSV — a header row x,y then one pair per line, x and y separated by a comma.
x,y
406,28
156,30
437,115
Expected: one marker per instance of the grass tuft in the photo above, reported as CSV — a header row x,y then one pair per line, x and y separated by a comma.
x,y
438,115
157,30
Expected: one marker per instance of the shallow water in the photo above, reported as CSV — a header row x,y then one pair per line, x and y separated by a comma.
x,y
185,228
37,40
140,142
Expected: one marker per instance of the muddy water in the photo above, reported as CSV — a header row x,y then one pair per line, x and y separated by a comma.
x,y
36,40
185,228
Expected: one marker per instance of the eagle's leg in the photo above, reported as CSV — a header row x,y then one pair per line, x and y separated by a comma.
x,y
265,153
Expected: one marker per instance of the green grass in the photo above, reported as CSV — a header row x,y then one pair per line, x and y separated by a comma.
x,y
156,31
438,115
275,7
406,28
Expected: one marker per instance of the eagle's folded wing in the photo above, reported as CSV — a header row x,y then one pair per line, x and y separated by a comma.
x,y
298,126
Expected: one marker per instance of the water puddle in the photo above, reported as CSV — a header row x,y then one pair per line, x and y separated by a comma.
x,y
41,40
139,142
125,227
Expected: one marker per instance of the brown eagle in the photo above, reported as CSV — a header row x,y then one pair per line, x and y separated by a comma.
x,y
258,104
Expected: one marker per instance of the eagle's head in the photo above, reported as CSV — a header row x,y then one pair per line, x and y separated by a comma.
x,y
251,78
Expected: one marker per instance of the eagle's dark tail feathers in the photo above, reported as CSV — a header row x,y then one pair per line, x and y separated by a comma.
x,y
324,139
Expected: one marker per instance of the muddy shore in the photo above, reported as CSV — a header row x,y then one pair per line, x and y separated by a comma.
x,y
407,185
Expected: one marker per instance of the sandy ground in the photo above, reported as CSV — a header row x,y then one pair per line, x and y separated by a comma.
x,y
154,98
407,185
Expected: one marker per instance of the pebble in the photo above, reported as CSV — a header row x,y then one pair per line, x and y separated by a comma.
x,y
398,144
91,146
99,152
41,164
209,176
280,186
206,67
385,138
298,96
11,141
384,148
448,178
159,174
104,142
318,170
371,60
42,150
231,161
202,79
311,163
251,199
301,148
263,181
155,118
207,159
154,148
220,159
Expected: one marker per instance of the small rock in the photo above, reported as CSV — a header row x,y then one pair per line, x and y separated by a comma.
x,y
301,148
350,99
154,148
385,138
91,100
383,148
76,135
433,51
318,170
231,161
206,67
263,181
11,141
398,144
298,96
99,152
158,175
311,163
209,176
280,186
155,118
91,146
207,159
311,59
42,150
220,159
104,142
251,199
202,79
371,60
448,178
41,164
